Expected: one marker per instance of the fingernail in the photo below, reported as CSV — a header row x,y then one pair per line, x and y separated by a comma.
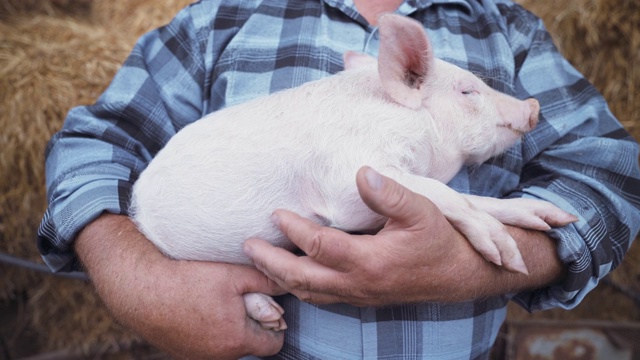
x,y
275,219
374,179
247,250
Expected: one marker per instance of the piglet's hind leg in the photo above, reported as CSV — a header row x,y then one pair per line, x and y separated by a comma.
x,y
265,310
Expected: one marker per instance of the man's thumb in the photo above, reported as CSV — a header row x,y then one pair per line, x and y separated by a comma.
x,y
387,197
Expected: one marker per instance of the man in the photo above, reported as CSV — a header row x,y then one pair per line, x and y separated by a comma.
x,y
418,288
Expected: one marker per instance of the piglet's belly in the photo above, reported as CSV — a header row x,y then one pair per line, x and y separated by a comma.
x,y
210,226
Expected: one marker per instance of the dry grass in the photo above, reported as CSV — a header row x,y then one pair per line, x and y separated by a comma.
x,y
136,16
55,54
13,8
47,65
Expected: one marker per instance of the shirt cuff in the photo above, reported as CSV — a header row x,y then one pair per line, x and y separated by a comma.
x,y
67,216
584,269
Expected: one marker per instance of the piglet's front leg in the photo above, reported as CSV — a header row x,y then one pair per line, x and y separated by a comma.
x,y
525,213
481,218
485,233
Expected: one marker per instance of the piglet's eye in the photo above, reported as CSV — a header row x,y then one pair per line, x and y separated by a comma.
x,y
468,92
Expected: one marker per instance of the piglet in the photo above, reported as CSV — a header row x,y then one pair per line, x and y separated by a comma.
x,y
414,118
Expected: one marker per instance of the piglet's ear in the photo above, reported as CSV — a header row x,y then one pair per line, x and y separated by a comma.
x,y
404,59
355,60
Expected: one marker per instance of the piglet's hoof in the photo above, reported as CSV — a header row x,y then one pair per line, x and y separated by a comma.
x,y
265,310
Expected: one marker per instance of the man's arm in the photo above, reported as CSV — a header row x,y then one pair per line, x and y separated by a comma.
x,y
185,308
418,256
580,159
188,309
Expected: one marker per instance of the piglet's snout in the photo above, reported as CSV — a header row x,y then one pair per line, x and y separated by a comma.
x,y
532,111
519,115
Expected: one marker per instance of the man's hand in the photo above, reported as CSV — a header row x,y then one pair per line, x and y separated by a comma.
x,y
418,256
188,309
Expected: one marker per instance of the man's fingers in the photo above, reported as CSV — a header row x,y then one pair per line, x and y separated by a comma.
x,y
300,275
387,197
276,263
328,246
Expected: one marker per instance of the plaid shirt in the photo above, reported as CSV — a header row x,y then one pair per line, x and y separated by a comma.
x,y
219,53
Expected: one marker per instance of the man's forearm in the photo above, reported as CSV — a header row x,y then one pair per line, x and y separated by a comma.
x,y
114,253
186,308
481,278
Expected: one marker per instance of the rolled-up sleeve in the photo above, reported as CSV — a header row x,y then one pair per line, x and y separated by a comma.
x,y
581,159
92,162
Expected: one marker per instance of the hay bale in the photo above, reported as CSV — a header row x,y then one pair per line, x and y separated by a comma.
x,y
13,8
47,66
137,16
